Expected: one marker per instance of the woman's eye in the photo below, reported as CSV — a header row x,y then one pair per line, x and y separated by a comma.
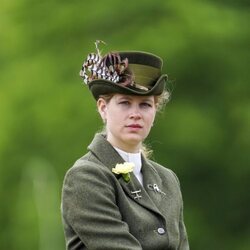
x,y
124,102
146,105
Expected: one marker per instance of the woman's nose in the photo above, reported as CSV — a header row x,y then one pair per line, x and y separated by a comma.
x,y
135,113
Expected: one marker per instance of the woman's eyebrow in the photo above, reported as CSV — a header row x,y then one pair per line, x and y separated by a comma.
x,y
124,97
147,100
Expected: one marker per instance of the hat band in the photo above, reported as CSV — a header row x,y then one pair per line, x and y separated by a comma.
x,y
144,75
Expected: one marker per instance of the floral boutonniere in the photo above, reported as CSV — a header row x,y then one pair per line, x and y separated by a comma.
x,y
124,169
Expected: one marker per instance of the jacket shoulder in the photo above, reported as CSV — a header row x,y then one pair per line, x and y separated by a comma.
x,y
164,171
88,167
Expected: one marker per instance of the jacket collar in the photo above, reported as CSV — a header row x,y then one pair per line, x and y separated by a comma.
x,y
145,195
104,151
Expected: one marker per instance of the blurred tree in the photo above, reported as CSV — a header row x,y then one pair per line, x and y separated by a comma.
x,y
48,118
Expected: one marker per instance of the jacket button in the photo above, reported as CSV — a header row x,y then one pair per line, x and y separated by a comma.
x,y
161,230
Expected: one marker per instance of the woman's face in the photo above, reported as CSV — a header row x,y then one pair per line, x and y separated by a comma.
x,y
128,119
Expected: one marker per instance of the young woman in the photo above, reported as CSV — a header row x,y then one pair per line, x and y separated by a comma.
x,y
114,197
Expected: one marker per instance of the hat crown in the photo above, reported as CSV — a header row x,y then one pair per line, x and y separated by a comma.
x,y
142,58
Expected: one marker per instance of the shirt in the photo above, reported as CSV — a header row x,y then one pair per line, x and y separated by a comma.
x,y
136,159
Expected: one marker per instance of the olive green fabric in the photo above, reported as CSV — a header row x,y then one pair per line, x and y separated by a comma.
x,y
100,211
144,75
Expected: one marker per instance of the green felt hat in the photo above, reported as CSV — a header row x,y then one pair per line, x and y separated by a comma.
x,y
131,73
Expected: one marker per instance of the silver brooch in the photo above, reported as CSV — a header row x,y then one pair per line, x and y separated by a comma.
x,y
155,188
137,194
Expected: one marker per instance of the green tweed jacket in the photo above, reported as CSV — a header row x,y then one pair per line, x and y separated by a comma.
x,y
102,211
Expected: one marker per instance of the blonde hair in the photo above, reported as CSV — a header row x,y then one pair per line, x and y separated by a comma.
x,y
160,102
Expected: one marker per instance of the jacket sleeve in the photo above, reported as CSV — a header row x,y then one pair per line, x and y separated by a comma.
x,y
90,214
184,245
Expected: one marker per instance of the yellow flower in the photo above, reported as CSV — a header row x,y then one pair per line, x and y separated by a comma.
x,y
124,169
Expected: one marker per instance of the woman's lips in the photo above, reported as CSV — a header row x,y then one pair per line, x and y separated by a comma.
x,y
134,126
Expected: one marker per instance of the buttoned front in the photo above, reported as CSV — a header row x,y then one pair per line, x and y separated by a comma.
x,y
161,230
97,204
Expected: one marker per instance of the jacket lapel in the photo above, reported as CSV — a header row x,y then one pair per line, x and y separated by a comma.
x,y
152,182
108,156
136,191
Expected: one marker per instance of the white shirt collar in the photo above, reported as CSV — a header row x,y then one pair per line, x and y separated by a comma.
x,y
131,157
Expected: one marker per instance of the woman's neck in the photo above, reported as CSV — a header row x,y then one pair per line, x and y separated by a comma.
x,y
129,148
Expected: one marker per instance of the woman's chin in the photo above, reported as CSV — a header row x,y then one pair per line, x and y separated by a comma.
x,y
134,139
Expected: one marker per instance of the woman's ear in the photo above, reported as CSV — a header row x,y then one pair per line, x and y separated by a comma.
x,y
102,108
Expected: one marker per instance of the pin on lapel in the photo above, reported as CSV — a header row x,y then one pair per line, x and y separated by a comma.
x,y
137,194
155,188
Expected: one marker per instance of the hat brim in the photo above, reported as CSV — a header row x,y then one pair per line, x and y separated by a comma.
x,y
103,87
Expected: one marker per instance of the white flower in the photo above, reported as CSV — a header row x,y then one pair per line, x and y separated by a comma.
x,y
124,169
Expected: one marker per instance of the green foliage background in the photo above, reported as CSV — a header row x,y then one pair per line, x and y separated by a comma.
x,y
48,117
